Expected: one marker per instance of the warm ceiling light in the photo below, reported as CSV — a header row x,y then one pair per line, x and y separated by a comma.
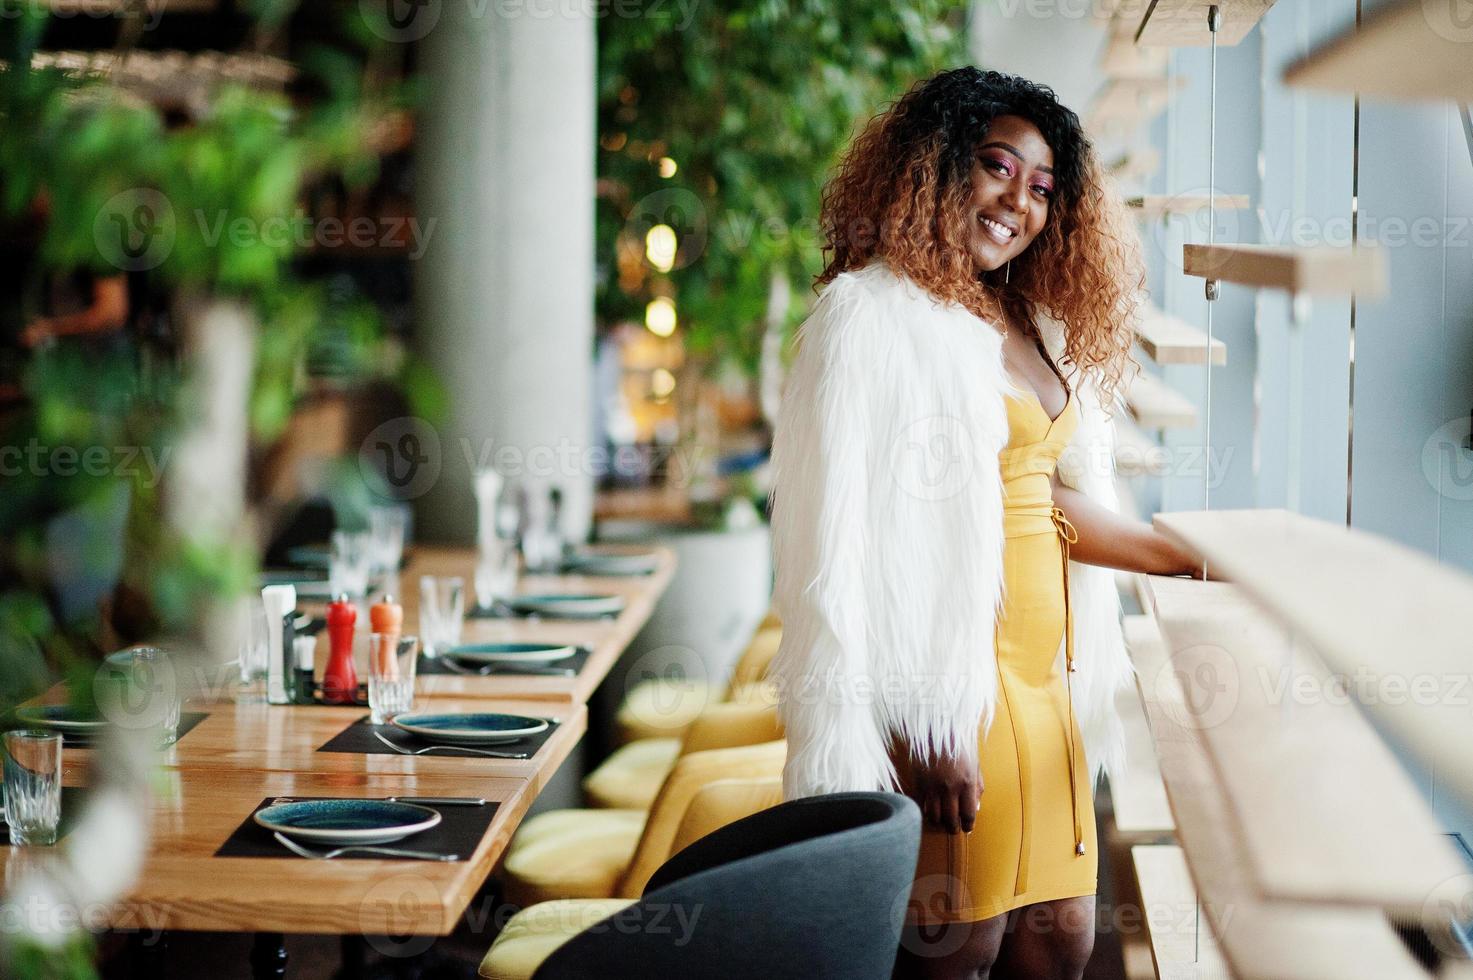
x,y
667,167
659,316
659,247
662,383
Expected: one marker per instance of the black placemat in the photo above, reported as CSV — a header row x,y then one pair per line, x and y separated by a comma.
x,y
358,739
459,832
575,663
79,740
71,809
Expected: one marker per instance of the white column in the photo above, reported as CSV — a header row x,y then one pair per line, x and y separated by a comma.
x,y
505,287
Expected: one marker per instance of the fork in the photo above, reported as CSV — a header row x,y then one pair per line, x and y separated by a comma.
x,y
449,748
530,670
307,852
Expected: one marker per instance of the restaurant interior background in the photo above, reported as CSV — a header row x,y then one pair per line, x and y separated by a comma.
x,y
272,264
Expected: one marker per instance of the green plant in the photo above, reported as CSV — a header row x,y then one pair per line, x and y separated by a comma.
x,y
753,101
88,552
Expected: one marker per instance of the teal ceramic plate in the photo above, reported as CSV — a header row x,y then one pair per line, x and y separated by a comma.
x,y
347,821
61,718
471,727
612,563
509,653
575,604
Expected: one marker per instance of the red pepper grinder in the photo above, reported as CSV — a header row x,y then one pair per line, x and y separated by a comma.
x,y
340,680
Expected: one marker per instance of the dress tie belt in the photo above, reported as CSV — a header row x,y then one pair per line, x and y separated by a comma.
x,y
1067,536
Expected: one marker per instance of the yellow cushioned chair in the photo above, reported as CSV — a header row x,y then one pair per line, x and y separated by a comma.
x,y
661,708
612,853
531,935
631,776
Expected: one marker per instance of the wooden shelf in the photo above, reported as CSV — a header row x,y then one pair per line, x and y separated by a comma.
x,y
1123,58
1371,607
1300,270
1156,405
1169,340
1182,944
1309,779
1183,23
1154,207
1142,813
1398,53
1258,938
1142,161
1129,102
1136,455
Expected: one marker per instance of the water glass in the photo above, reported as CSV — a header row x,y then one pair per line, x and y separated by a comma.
x,y
387,526
496,571
152,676
391,663
254,650
441,612
350,562
33,786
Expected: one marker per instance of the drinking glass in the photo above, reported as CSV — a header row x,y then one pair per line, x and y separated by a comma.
x,y
254,650
32,786
542,545
151,673
391,663
441,612
350,562
496,571
387,525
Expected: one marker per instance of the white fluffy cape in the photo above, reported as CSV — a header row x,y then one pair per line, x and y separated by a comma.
x,y
888,540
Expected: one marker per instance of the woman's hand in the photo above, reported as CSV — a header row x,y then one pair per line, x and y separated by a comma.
x,y
948,791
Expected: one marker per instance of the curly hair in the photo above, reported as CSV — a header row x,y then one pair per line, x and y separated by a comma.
x,y
903,191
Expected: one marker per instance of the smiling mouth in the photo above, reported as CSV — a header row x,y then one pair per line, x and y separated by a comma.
x,y
996,230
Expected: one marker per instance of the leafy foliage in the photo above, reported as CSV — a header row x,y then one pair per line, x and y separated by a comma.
x,y
84,546
753,101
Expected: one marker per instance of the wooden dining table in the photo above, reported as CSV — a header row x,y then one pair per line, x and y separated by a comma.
x,y
242,754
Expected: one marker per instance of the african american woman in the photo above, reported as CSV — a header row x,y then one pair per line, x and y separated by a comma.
x,y
944,516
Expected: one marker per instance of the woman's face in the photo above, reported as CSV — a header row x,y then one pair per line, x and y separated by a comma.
x,y
1012,184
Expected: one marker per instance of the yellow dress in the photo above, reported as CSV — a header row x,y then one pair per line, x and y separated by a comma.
x,y
1034,839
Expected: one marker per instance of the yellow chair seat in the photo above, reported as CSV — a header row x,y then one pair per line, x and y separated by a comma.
x,y
661,708
725,802
571,854
530,936
630,778
757,692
